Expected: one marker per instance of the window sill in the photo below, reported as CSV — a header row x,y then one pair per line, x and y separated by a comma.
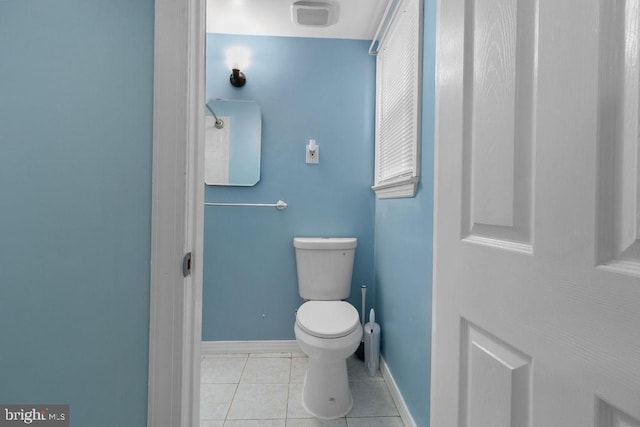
x,y
405,187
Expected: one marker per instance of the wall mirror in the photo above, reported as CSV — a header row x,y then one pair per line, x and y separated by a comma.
x,y
233,139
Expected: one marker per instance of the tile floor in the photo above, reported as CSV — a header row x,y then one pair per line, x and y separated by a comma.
x,y
265,389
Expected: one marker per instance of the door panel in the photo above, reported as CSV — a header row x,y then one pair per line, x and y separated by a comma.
x,y
609,416
537,254
619,162
498,100
495,381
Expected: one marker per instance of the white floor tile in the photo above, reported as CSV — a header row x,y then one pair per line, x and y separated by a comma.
x,y
375,422
259,401
358,371
294,406
371,399
269,393
215,400
280,354
221,370
254,423
298,369
315,422
266,370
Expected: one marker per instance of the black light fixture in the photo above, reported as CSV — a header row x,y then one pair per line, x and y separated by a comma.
x,y
237,78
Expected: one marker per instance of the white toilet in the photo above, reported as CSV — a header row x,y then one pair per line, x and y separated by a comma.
x,y
327,329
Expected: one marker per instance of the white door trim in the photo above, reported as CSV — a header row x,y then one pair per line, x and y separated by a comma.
x,y
177,214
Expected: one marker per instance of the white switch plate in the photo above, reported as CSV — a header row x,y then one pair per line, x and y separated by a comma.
x,y
313,158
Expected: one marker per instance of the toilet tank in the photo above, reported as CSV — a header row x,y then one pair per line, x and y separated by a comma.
x,y
324,266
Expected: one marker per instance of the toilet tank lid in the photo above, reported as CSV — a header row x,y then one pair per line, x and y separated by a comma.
x,y
328,243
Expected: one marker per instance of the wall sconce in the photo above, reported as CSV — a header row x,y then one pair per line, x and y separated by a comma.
x,y
237,57
237,78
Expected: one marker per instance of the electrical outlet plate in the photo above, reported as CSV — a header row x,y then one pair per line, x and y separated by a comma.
x,y
313,157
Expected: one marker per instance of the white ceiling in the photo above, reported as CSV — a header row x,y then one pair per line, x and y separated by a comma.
x,y
357,19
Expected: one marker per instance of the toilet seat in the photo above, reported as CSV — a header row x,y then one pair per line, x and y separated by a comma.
x,y
327,319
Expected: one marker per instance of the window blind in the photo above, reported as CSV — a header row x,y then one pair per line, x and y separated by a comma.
x,y
397,104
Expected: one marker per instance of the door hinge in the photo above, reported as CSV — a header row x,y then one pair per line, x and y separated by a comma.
x,y
186,265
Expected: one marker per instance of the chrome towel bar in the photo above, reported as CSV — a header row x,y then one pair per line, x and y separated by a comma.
x,y
280,205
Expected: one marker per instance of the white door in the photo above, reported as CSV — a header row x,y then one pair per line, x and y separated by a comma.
x,y
537,230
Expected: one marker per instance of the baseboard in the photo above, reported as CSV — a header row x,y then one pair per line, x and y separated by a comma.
x,y
407,419
218,347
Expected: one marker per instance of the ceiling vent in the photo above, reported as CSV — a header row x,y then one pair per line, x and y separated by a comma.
x,y
313,13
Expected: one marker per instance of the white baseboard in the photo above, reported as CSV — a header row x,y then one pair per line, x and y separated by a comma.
x,y
218,347
407,419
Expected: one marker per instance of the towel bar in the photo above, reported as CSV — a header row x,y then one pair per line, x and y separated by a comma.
x,y
280,205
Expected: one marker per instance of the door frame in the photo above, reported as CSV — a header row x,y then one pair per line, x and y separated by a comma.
x,y
177,213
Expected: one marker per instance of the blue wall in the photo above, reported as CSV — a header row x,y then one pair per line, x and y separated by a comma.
x,y
403,260
307,88
76,81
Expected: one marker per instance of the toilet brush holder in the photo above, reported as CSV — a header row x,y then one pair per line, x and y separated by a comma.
x,y
372,345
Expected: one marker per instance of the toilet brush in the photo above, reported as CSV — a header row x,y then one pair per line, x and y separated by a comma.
x,y
360,351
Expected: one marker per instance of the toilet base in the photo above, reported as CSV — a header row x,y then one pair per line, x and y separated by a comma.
x,y
326,392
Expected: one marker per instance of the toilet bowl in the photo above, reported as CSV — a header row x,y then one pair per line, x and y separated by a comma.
x,y
327,332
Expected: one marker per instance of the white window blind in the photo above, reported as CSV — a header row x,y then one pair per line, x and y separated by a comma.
x,y
397,158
